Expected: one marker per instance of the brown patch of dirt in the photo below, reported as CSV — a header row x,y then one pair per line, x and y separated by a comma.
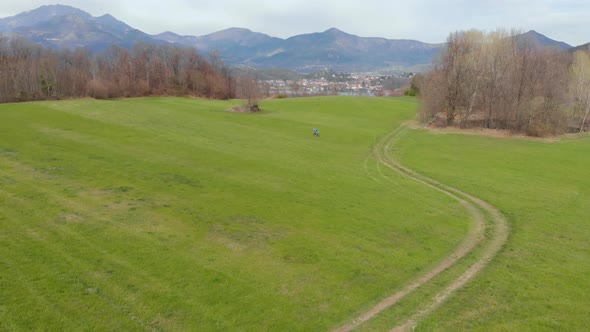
x,y
479,132
245,109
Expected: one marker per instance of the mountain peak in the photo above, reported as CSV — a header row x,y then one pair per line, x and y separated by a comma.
x,y
583,47
231,32
107,17
169,34
112,22
58,6
62,26
335,32
43,13
237,29
58,10
244,37
535,39
534,34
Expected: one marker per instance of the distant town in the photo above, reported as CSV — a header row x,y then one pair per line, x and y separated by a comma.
x,y
343,84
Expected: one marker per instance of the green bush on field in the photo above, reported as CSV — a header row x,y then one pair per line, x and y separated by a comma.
x,y
411,92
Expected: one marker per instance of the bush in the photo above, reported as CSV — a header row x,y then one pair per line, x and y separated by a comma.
x,y
98,90
411,92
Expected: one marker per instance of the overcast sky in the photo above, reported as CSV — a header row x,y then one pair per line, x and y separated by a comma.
x,y
424,20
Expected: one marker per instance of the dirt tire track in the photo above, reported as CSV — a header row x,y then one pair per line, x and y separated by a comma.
x,y
474,206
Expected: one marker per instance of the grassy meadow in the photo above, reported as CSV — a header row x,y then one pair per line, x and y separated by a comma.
x,y
175,214
540,281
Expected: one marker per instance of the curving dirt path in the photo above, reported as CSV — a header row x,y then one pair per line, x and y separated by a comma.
x,y
476,208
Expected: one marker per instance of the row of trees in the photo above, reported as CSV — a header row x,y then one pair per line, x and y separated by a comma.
x,y
31,72
497,80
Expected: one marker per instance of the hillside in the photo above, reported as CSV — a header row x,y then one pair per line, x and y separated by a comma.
x,y
60,26
536,40
584,47
311,52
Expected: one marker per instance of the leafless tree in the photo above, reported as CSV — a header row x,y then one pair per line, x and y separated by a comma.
x,y
249,89
495,81
580,86
29,72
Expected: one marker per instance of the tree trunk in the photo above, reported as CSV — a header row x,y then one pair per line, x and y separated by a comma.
x,y
585,117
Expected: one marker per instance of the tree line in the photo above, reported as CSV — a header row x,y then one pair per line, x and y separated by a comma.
x,y
497,80
31,72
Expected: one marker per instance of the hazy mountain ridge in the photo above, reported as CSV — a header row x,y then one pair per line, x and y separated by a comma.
x,y
584,47
308,52
41,14
534,39
60,26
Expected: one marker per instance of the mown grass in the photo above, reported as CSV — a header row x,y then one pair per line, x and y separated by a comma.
x,y
174,214
540,279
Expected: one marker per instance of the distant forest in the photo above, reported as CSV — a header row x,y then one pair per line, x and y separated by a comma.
x,y
31,72
498,81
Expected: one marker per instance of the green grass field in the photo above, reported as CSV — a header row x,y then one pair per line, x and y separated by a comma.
x,y
541,279
174,214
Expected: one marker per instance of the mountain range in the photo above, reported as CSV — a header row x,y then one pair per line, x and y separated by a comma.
x,y
59,26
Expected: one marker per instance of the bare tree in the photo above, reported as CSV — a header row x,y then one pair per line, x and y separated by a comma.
x,y
494,81
29,71
249,90
580,86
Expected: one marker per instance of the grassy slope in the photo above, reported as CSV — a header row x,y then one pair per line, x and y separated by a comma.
x,y
170,213
539,281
